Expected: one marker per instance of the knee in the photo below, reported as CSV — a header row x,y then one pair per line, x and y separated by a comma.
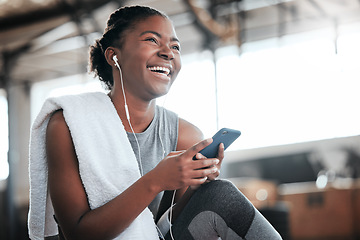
x,y
225,199
220,189
222,193
221,183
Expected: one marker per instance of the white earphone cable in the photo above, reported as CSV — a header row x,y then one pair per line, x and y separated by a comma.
x,y
128,115
171,215
133,132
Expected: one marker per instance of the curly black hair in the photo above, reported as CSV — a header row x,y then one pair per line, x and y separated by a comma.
x,y
119,22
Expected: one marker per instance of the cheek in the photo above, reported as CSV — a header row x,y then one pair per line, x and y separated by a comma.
x,y
176,73
178,64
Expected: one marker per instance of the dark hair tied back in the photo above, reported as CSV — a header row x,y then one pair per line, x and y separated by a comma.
x,y
121,20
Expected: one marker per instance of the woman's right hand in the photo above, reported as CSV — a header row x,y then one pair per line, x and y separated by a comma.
x,y
178,169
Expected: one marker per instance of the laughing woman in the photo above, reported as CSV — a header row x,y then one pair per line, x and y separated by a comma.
x,y
109,166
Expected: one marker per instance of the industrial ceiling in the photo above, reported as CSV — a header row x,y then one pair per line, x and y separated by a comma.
x,y
47,39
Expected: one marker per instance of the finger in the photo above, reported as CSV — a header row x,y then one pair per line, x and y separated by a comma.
x,y
221,152
197,147
199,156
198,181
205,163
173,153
201,173
212,177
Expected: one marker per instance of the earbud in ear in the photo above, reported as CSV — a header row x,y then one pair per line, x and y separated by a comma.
x,y
116,61
122,87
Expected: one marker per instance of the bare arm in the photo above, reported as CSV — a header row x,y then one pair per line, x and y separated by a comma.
x,y
69,199
189,135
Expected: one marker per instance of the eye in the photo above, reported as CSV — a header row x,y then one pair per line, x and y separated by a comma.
x,y
176,47
151,39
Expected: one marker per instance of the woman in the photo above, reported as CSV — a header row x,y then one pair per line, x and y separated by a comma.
x,y
138,59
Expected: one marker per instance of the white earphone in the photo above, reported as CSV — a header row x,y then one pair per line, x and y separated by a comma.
x,y
137,142
116,61
122,87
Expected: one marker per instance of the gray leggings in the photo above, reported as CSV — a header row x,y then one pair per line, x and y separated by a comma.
x,y
219,209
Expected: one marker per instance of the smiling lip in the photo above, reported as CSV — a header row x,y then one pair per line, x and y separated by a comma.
x,y
163,70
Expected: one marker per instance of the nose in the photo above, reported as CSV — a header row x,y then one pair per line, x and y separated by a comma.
x,y
166,53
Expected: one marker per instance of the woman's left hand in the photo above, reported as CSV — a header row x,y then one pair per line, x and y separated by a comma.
x,y
220,156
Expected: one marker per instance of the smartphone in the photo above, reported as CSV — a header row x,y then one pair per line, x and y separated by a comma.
x,y
226,136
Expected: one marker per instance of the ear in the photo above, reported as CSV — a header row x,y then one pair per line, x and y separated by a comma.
x,y
110,52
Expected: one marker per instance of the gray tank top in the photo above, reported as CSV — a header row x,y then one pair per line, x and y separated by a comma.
x,y
162,134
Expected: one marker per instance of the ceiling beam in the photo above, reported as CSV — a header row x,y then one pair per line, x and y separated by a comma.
x,y
45,13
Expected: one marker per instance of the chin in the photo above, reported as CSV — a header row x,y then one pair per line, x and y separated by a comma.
x,y
161,91
158,95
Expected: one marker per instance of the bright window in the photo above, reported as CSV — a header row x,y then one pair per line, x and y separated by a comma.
x,y
292,93
277,91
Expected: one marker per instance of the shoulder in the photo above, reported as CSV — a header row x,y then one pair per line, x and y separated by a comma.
x,y
166,114
57,132
56,121
189,135
60,149
168,121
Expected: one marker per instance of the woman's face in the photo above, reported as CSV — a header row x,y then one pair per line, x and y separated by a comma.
x,y
150,58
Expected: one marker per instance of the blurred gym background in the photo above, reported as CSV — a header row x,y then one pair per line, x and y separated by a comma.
x,y
284,72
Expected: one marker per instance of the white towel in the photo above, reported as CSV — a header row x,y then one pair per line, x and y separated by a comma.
x,y
107,163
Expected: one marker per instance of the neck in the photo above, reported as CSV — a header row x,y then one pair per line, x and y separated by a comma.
x,y
141,112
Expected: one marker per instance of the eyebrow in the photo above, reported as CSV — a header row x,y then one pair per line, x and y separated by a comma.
x,y
174,39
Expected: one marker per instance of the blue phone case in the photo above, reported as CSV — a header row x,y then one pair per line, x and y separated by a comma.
x,y
224,135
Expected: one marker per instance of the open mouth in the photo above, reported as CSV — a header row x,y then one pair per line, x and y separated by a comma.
x,y
161,70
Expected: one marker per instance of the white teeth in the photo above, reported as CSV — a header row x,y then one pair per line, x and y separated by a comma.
x,y
163,70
